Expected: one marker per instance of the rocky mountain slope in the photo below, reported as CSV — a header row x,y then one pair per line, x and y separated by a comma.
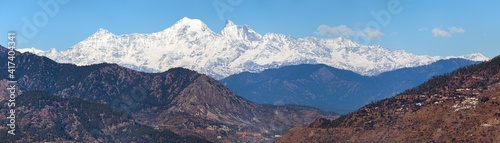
x,y
46,118
332,89
463,106
180,100
190,44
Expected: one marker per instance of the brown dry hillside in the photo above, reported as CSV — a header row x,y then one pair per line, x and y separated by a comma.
x,y
179,100
463,106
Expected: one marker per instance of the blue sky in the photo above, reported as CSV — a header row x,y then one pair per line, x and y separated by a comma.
x,y
442,28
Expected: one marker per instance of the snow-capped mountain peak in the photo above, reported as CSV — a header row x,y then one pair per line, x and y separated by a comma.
x,y
102,32
229,23
237,32
473,57
186,24
31,50
189,43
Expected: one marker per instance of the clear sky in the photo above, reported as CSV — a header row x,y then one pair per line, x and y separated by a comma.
x,y
447,27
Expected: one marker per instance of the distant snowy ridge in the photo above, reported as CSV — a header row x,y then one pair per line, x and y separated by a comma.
x,y
189,43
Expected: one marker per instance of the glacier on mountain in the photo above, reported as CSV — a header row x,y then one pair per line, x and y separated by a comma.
x,y
189,43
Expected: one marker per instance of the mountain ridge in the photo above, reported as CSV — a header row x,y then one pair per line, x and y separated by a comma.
x,y
189,43
48,118
463,106
180,100
329,88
